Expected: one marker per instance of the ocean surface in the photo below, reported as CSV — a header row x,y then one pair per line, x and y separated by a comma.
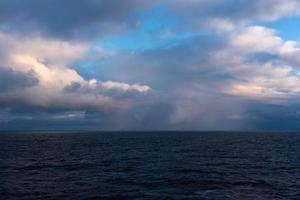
x,y
150,165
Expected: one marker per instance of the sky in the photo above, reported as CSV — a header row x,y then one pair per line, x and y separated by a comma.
x,y
150,65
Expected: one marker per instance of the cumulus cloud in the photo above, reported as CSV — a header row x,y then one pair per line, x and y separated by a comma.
x,y
47,63
256,39
268,81
270,78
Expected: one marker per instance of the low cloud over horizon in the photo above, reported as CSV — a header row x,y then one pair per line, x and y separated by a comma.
x,y
141,65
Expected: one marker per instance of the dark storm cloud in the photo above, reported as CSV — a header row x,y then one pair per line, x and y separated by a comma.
x,y
154,116
274,117
68,18
12,80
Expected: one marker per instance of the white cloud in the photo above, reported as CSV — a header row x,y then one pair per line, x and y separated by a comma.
x,y
267,81
124,86
274,78
256,39
49,61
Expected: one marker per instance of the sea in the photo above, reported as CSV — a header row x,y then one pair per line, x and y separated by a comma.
x,y
149,165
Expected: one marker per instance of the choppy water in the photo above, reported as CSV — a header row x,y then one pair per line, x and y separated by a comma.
x,y
149,166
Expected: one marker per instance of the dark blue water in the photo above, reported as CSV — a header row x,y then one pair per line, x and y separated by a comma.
x,y
149,166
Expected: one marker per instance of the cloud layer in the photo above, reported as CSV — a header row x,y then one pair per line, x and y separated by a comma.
x,y
212,65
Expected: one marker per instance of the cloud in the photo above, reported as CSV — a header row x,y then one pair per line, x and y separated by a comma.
x,y
256,39
274,76
54,68
68,19
227,14
124,86
268,82
209,78
47,62
12,80
82,19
